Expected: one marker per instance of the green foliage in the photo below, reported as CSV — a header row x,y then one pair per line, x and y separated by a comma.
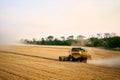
x,y
51,41
50,38
112,42
107,42
95,42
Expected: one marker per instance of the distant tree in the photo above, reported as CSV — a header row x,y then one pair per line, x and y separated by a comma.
x,y
34,41
113,34
50,38
99,35
70,37
80,40
63,38
42,41
26,41
95,42
106,35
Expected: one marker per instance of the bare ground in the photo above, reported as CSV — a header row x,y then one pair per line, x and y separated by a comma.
x,y
41,63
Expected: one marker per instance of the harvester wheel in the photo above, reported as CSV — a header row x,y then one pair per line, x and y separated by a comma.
x,y
70,58
79,60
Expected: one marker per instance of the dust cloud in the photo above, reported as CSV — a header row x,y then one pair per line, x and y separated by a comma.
x,y
6,41
110,62
8,37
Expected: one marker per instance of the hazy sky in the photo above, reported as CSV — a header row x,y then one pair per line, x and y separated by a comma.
x,y
40,18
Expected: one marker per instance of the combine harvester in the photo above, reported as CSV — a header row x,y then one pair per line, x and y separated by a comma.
x,y
76,54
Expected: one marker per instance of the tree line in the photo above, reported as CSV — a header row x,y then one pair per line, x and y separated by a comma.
x,y
50,40
111,42
107,41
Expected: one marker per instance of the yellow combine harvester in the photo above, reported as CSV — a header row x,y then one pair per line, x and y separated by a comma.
x,y
76,54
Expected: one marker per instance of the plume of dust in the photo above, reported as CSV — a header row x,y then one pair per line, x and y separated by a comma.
x,y
8,39
110,62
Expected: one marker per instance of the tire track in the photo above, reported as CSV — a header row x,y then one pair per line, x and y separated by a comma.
x,y
29,55
41,70
13,74
36,68
41,75
21,72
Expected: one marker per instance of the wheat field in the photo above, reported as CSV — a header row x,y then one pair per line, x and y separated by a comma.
x,y
22,62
